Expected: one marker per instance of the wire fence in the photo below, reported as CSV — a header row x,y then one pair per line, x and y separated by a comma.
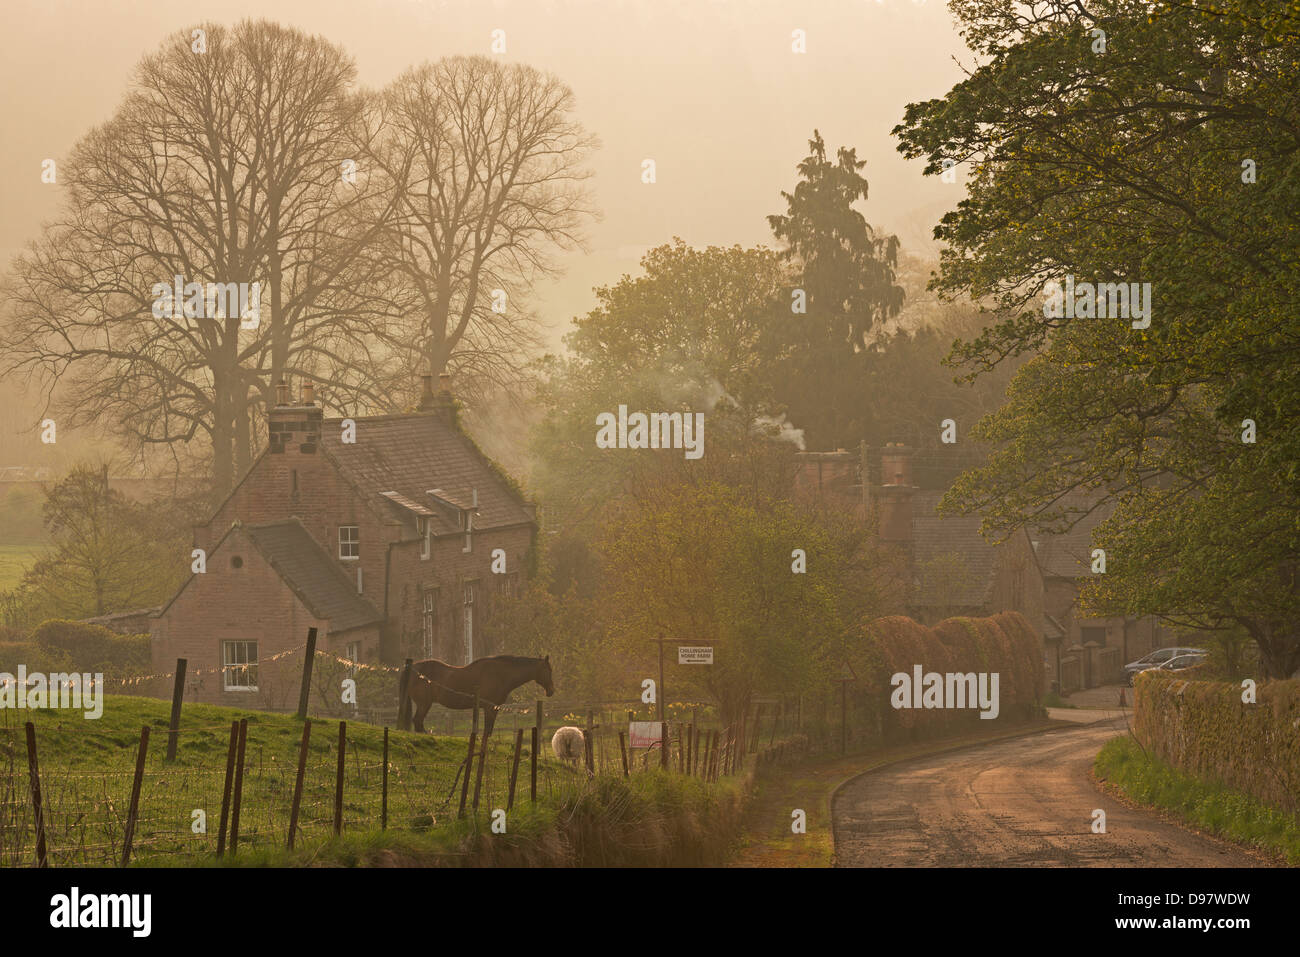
x,y
185,809
99,790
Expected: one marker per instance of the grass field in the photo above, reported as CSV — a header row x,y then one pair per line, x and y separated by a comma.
x,y
14,560
86,771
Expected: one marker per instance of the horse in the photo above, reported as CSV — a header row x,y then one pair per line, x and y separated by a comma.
x,y
492,679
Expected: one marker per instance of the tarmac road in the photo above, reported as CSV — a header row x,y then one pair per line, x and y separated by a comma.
x,y
1024,802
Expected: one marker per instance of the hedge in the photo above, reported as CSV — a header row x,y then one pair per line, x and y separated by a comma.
x,y
1203,728
1005,644
92,648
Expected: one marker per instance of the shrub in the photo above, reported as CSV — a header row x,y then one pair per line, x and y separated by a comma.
x,y
1005,644
93,648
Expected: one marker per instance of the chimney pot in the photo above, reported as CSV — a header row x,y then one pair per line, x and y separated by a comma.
x,y
308,392
282,393
444,382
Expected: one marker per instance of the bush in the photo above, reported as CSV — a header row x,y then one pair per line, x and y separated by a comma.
x,y
33,657
1203,728
93,648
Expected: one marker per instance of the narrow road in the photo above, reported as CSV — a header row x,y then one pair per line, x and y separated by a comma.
x,y
1026,802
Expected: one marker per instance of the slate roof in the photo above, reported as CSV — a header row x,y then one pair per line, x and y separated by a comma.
x,y
313,574
934,537
409,454
1069,555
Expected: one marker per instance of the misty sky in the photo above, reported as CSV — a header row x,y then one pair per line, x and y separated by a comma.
x,y
709,89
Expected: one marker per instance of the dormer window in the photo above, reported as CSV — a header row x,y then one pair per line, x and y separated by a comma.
x,y
425,530
349,542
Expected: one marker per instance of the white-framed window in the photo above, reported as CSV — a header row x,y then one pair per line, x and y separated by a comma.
x,y
508,585
469,621
425,530
467,523
349,542
353,654
239,665
429,619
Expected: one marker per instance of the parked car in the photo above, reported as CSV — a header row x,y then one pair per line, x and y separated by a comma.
x,y
1181,662
1157,658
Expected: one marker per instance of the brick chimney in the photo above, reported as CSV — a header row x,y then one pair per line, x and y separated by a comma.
x,y
828,476
443,403
896,494
294,428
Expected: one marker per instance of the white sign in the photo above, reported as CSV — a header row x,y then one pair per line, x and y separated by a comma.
x,y
644,734
701,655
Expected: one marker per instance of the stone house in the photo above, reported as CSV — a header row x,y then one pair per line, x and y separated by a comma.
x,y
941,567
392,535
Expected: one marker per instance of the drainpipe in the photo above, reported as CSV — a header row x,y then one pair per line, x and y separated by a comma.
x,y
388,585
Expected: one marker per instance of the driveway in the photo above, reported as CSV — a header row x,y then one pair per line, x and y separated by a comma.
x,y
1024,802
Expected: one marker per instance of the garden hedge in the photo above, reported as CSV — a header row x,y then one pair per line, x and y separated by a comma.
x,y
1005,644
1203,728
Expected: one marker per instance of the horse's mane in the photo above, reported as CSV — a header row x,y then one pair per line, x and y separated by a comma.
x,y
514,659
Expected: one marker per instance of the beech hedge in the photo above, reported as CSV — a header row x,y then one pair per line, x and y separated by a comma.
x,y
1005,644
1205,729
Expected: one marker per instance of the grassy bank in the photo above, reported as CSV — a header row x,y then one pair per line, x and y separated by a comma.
x,y
768,840
87,767
649,820
1124,769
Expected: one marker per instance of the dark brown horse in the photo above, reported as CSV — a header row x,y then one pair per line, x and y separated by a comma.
x,y
492,679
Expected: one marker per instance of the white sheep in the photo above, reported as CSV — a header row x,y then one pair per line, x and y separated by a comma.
x,y
569,745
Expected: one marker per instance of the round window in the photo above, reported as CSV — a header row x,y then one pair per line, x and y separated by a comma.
x,y
236,562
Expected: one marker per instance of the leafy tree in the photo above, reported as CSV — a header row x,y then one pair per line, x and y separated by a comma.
x,y
710,564
846,272
1130,165
109,554
684,336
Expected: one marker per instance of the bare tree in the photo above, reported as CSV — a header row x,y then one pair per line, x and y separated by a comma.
x,y
226,163
487,163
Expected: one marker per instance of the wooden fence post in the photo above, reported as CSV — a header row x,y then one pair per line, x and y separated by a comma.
x,y
482,762
239,786
403,688
225,791
34,772
514,767
622,750
133,809
469,767
178,692
533,760
665,742
310,656
383,812
297,784
338,781
587,745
